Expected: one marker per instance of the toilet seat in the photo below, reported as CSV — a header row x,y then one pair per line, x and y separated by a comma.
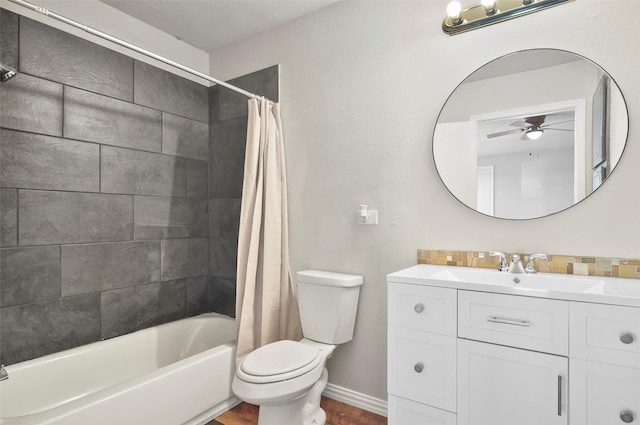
x,y
279,361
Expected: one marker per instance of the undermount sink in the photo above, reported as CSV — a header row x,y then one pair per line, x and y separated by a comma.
x,y
542,281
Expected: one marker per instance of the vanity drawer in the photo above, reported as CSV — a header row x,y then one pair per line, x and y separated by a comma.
x,y
605,333
407,412
422,367
524,322
425,308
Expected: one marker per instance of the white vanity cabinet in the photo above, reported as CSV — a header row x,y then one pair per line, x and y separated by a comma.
x,y
469,353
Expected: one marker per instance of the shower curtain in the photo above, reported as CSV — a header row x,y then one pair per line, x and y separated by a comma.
x,y
266,309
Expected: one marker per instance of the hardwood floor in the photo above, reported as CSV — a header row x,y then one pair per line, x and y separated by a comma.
x,y
337,414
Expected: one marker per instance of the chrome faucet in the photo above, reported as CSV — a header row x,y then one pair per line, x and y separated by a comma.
x,y
503,260
516,264
3,373
531,268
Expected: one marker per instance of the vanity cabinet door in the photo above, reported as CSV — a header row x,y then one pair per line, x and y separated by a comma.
x,y
505,386
603,394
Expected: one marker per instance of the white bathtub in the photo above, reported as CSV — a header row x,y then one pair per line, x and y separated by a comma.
x,y
176,373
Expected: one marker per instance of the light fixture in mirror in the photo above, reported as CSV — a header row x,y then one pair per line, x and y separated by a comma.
x,y
530,134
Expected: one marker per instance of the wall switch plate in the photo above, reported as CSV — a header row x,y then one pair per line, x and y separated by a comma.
x,y
370,218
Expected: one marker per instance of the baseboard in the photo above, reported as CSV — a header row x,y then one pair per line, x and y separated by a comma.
x,y
359,400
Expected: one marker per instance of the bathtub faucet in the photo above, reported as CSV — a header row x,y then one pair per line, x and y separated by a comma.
x,y
3,373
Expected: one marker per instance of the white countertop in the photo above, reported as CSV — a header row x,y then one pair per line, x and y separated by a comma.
x,y
595,289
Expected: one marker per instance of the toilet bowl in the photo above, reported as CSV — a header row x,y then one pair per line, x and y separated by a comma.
x,y
286,378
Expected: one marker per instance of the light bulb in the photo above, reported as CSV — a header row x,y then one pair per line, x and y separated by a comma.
x,y
489,6
534,134
453,9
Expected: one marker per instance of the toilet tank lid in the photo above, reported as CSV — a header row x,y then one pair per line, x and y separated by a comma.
x,y
319,277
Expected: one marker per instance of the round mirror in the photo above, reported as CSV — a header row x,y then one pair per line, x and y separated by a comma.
x,y
530,134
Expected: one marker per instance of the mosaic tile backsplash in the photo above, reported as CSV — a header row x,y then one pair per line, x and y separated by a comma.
x,y
563,264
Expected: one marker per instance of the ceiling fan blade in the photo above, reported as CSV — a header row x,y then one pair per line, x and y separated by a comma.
x,y
525,137
557,129
503,133
520,124
556,123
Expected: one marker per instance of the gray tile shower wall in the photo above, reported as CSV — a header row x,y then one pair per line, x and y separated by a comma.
x,y
104,193
227,139
117,179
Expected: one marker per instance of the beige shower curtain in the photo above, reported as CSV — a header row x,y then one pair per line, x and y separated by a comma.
x,y
266,309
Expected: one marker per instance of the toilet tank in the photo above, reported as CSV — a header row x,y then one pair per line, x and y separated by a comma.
x,y
328,304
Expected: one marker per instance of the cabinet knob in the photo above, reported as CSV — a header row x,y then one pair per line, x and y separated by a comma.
x,y
418,308
626,337
626,416
419,367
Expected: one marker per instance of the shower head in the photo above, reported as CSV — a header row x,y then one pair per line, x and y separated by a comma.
x,y
6,72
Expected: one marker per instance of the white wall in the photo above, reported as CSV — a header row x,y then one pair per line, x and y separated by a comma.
x,y
532,186
361,86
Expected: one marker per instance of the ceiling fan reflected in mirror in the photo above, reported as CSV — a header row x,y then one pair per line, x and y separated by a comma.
x,y
531,128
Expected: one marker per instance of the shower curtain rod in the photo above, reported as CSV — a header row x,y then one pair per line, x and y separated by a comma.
x,y
130,46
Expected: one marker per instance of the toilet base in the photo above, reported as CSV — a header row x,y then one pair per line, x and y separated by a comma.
x,y
302,410
318,417
313,413
280,414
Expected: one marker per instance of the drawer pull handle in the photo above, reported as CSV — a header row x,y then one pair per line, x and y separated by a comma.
x,y
626,416
626,337
418,308
507,321
418,367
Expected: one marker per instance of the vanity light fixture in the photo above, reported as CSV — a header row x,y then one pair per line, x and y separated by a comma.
x,y
490,12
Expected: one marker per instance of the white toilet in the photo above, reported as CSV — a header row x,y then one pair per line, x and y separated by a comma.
x,y
286,378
